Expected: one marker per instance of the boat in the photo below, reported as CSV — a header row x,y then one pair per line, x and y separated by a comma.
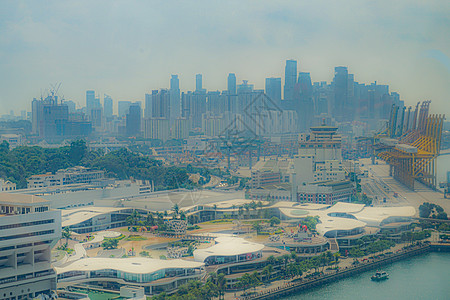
x,y
379,276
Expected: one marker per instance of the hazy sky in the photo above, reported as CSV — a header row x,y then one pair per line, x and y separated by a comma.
x,y
128,48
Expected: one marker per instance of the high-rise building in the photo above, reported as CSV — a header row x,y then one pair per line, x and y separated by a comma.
x,y
49,117
148,112
303,96
97,118
198,83
175,100
273,89
71,106
123,107
232,84
290,79
341,97
133,120
28,231
197,108
231,104
90,101
181,128
157,129
158,104
108,106
216,103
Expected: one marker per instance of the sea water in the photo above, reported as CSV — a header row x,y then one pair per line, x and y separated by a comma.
x,y
421,277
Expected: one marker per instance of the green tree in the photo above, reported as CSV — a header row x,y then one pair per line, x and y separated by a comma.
x,y
77,151
134,218
110,244
274,221
66,234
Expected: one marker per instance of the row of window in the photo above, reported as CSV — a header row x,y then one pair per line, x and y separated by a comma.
x,y
26,224
25,235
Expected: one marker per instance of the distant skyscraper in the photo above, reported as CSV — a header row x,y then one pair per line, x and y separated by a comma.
x,y
232,84
175,101
340,84
123,107
71,105
159,104
90,101
290,79
273,89
108,106
232,92
148,105
303,96
133,120
198,82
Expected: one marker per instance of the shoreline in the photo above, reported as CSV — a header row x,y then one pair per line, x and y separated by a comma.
x,y
305,284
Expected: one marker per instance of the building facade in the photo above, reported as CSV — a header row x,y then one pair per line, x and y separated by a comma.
x,y
28,231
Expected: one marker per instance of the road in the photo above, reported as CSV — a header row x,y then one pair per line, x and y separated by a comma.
x,y
406,196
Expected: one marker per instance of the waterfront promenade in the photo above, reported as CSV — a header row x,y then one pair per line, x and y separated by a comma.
x,y
284,288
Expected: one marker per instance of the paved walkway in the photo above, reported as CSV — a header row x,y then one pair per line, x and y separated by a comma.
x,y
343,263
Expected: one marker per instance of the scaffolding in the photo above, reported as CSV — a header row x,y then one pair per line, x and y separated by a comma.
x,y
412,147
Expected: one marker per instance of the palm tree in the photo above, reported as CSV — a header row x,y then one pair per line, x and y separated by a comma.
x,y
265,273
150,220
294,256
247,209
285,258
336,258
271,260
260,206
66,235
240,211
133,219
256,226
176,209
221,282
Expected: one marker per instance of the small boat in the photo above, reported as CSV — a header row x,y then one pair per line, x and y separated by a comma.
x,y
379,276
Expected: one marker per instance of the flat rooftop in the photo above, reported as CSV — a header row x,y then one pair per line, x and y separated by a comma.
x,y
15,199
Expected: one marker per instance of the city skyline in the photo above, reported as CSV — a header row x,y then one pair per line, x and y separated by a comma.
x,y
87,49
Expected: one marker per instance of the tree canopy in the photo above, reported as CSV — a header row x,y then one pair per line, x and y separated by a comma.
x,y
20,163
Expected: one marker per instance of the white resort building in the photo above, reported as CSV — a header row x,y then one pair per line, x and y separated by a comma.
x,y
28,231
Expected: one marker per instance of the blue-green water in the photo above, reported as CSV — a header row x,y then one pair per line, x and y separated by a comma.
x,y
422,277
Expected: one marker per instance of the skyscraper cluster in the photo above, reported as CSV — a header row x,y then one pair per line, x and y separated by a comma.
x,y
175,114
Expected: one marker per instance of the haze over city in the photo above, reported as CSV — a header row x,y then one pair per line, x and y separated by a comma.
x,y
224,150
127,48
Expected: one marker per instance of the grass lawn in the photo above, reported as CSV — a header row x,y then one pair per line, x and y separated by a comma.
x,y
135,238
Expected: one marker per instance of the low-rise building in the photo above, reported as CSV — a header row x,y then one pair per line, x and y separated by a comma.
x,y
229,250
74,175
6,185
326,192
154,275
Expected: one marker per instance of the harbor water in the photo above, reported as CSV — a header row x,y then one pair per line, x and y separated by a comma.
x,y
421,277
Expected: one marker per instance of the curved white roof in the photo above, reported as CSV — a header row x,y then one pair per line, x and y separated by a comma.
x,y
71,217
334,223
227,246
376,215
343,207
364,216
135,265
